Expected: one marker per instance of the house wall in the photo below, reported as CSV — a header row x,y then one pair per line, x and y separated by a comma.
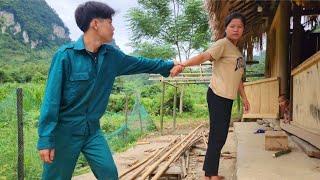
x,y
306,94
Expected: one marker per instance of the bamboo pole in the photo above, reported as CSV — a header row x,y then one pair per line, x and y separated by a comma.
x,y
139,164
135,174
163,168
187,153
174,109
161,110
183,166
156,164
204,140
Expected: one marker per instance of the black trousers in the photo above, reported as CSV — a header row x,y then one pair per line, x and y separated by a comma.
x,y
219,113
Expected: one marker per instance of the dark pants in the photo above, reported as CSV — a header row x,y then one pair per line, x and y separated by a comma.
x,y
219,113
67,150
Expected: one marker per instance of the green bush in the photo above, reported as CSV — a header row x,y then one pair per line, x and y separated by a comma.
x,y
117,103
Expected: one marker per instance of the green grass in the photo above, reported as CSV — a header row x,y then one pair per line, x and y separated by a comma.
x,y
110,122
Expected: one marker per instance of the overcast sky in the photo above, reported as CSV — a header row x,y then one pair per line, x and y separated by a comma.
x,y
65,9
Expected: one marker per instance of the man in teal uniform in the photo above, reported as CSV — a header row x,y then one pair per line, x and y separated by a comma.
x,y
78,88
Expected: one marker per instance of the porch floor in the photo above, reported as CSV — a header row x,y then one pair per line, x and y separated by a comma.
x,y
254,162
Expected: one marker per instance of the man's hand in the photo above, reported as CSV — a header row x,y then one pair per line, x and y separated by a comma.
x,y
177,69
246,105
47,155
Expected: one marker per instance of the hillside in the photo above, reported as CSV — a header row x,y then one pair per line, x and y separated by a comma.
x,y
30,32
31,22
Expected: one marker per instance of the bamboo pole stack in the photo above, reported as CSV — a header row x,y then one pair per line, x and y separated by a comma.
x,y
158,162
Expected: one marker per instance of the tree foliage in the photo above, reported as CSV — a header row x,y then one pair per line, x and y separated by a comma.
x,y
180,23
149,50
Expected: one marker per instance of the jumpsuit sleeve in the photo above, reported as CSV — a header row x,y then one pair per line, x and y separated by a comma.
x,y
134,65
49,112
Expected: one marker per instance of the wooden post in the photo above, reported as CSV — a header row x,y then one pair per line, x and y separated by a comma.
x,y
181,100
267,72
283,41
140,118
20,166
296,41
174,108
126,114
161,108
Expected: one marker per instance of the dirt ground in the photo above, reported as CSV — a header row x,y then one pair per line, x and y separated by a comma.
x,y
154,141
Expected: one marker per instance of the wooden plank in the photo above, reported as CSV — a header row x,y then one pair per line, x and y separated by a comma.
x,y
309,149
256,100
261,81
310,137
309,62
307,125
269,116
306,98
273,98
265,99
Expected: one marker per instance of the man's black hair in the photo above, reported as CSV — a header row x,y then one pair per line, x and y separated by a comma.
x,y
91,10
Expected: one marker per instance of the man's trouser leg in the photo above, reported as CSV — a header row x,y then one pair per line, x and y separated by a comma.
x,y
67,150
97,153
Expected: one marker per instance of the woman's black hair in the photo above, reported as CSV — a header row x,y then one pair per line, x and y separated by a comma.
x,y
232,16
90,10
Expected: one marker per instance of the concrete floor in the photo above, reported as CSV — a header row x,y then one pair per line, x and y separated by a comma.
x,y
254,163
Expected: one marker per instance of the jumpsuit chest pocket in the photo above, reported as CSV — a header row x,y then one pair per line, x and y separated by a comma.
x,y
78,85
79,77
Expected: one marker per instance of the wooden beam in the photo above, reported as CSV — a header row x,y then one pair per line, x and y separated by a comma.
x,y
255,75
204,82
306,64
249,12
235,4
251,17
182,78
315,11
310,137
267,116
261,81
170,84
309,149
244,6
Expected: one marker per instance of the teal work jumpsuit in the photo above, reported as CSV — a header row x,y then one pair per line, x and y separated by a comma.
x,y
76,96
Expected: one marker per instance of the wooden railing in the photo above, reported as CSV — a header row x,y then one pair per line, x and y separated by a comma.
x,y
306,94
263,98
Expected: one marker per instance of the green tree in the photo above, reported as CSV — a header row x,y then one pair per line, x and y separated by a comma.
x,y
150,50
180,23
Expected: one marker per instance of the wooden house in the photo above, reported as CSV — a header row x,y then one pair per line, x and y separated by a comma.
x,y
290,31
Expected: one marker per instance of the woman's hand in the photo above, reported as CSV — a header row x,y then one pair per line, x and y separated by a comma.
x,y
246,105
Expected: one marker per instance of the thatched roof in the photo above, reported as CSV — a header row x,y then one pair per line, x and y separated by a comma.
x,y
259,15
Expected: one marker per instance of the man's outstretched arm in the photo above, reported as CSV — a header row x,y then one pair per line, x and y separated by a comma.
x,y
135,65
